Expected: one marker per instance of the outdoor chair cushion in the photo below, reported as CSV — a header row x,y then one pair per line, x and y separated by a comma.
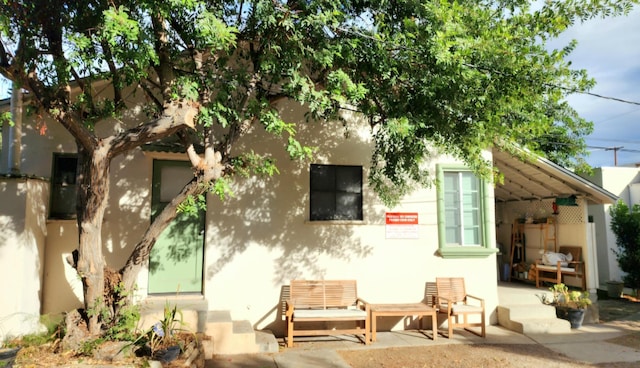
x,y
552,258
462,308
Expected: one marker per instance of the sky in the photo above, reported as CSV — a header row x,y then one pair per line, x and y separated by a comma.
x,y
609,49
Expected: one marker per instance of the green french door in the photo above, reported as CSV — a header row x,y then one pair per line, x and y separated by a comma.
x,y
175,263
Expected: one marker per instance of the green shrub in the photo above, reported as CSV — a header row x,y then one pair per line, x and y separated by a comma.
x,y
625,224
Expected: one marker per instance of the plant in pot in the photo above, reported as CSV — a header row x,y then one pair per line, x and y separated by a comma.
x,y
615,289
161,341
570,304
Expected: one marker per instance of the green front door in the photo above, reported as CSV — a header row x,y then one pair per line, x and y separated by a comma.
x,y
175,264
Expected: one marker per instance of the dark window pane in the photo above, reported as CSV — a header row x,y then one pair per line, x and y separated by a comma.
x,y
323,205
63,187
348,206
349,179
323,177
336,192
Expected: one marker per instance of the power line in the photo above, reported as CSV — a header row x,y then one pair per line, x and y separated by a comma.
x,y
614,140
619,115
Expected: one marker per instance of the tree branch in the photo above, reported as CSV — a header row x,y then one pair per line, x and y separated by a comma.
x,y
177,116
115,76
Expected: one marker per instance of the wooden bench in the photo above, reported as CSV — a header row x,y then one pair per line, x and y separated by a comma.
x,y
324,301
555,273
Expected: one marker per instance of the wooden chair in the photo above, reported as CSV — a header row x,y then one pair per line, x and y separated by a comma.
x,y
452,299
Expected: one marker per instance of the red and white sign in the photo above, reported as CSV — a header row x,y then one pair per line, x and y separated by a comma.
x,y
401,225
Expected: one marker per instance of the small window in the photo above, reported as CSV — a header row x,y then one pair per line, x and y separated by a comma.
x,y
63,187
463,213
336,192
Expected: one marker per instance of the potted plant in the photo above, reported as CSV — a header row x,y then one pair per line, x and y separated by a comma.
x,y
160,342
570,304
614,289
8,355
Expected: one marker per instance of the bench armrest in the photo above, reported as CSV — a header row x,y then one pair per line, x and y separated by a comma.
x,y
289,308
363,304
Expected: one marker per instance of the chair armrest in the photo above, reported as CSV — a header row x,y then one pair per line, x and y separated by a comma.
x,y
448,302
481,300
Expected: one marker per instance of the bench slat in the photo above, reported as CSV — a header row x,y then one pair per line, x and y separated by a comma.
x,y
323,294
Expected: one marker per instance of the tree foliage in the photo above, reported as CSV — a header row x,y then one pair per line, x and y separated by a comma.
x,y
430,77
625,224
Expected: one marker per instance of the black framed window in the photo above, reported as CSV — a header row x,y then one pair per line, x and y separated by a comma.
x,y
336,192
63,186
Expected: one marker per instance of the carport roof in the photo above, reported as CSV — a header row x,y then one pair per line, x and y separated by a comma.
x,y
538,178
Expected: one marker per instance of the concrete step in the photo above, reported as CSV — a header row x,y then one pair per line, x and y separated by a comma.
x,y
527,311
513,295
230,337
532,319
543,326
267,342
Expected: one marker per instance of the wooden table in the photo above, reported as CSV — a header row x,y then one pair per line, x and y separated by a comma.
x,y
401,310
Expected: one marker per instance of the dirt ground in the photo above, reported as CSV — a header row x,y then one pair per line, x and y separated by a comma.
x,y
516,356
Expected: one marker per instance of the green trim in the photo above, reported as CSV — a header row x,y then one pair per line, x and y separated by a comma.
x,y
458,251
466,252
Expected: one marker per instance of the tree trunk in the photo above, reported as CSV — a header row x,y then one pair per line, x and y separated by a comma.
x,y
93,194
140,255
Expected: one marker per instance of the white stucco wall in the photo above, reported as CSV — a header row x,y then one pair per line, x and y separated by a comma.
x,y
618,181
259,240
22,220
126,218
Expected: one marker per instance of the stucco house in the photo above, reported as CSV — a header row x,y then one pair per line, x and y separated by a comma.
x,y
316,219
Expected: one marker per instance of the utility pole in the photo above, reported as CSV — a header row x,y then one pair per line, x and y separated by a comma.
x,y
615,153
